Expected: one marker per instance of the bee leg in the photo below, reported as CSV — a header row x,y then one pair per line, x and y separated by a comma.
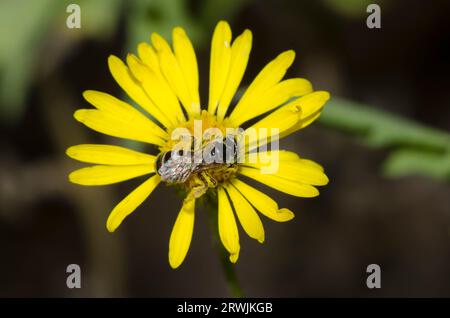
x,y
198,189
208,179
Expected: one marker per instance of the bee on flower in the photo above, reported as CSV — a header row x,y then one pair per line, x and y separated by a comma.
x,y
163,80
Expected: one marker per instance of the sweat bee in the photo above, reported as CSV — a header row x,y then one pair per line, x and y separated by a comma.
x,y
215,159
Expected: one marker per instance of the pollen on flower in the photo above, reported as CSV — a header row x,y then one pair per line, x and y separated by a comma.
x,y
200,182
205,119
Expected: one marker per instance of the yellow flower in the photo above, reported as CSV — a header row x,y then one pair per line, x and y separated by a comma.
x,y
164,81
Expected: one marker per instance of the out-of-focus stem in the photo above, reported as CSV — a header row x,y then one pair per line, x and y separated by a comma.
x,y
228,267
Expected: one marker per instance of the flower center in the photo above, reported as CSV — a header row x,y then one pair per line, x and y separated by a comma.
x,y
177,164
198,126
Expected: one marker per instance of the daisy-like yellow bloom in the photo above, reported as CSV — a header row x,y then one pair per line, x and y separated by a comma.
x,y
164,81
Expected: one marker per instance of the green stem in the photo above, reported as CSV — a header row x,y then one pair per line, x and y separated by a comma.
x,y
228,267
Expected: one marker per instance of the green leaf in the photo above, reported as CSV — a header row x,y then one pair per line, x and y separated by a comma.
x,y
412,162
381,129
416,149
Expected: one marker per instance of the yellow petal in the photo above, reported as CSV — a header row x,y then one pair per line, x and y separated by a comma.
x,y
250,221
102,175
284,215
263,203
131,202
159,43
282,118
296,171
148,55
174,74
180,238
219,64
114,106
282,155
228,230
234,257
302,123
123,77
156,87
240,51
311,105
273,125
270,75
304,171
137,68
312,164
291,187
134,128
185,55
274,97
108,155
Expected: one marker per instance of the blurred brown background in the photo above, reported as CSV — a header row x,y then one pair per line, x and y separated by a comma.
x,y
361,217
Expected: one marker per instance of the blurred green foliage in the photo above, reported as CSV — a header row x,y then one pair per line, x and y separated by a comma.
x,y
145,17
100,18
27,27
415,149
161,16
213,11
18,47
350,8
